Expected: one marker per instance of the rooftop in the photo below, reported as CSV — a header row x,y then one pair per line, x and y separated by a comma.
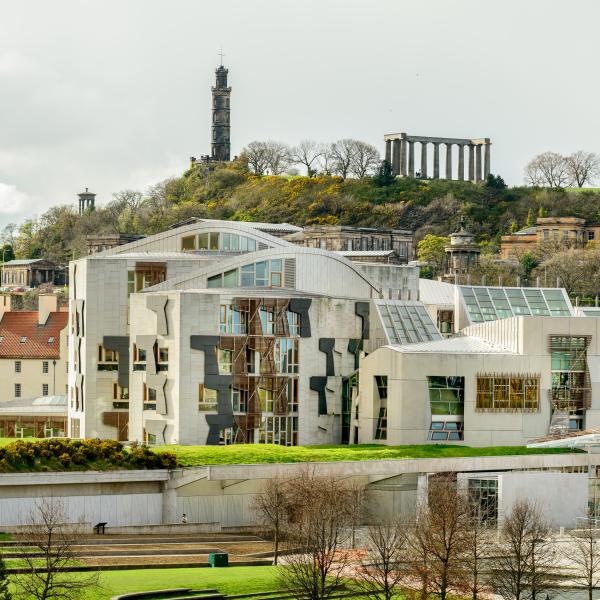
x,y
459,344
42,405
406,322
22,337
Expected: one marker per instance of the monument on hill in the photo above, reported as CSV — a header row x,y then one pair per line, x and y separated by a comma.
x,y
220,128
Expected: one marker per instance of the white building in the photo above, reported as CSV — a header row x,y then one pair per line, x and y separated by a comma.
x,y
521,366
219,331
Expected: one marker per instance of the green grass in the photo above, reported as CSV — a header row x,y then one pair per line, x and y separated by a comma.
x,y
231,580
190,456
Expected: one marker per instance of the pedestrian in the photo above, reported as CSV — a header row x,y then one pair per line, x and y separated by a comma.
x,y
183,519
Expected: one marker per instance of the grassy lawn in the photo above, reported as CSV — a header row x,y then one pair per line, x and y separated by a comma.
x,y
190,456
232,580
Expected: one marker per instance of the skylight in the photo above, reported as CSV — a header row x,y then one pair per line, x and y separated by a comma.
x,y
492,304
51,340
23,339
406,322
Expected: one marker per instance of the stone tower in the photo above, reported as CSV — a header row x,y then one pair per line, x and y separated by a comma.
x,y
87,201
461,256
220,145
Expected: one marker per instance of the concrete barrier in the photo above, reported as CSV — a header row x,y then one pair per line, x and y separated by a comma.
x,y
175,528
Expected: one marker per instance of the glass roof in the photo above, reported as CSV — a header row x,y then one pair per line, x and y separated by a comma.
x,y
406,322
491,304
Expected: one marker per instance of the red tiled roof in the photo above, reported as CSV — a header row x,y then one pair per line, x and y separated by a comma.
x,y
17,325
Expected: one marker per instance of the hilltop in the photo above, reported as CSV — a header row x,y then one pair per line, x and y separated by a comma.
x,y
230,191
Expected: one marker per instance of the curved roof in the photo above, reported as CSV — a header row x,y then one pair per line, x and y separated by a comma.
x,y
169,240
316,271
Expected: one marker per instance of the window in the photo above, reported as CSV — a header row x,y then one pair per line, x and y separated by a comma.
x,y
565,235
381,427
225,359
139,358
286,355
507,393
483,495
17,366
162,358
44,389
108,360
188,242
381,381
276,273
203,241
293,322
120,396
546,235
591,236
234,320
571,387
261,270
230,279
239,400
207,399
144,276
267,320
149,395
44,366
216,281
446,395
23,339
50,340
292,395
266,399
279,430
443,431
17,390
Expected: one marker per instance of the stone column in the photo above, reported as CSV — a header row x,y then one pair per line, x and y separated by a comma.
x,y
411,158
423,160
448,161
388,151
471,162
403,157
436,160
396,157
461,162
486,162
478,162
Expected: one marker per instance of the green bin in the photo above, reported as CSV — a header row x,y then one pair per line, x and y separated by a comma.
x,y
218,559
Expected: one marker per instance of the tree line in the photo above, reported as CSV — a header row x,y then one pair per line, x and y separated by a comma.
x,y
556,170
452,546
346,157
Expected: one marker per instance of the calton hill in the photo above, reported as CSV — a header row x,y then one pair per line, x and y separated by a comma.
x,y
244,190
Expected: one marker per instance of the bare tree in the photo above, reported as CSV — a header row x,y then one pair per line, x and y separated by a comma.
x,y
272,505
342,153
586,556
583,167
441,531
52,537
523,564
317,534
478,548
365,159
356,497
574,269
257,155
550,169
307,153
385,565
326,160
278,157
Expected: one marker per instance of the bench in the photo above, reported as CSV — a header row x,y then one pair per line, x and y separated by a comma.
x,y
100,526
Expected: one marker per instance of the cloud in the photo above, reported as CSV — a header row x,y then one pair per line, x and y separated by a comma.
x,y
12,201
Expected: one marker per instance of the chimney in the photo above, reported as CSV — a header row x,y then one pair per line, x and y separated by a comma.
x,y
47,303
5,304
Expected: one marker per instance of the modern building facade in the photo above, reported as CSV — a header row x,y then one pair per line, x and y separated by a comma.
x,y
219,332
521,366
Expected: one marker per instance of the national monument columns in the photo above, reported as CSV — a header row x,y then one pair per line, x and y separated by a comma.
x,y
400,146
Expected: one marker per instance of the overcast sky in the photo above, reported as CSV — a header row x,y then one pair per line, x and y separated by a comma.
x,y
115,94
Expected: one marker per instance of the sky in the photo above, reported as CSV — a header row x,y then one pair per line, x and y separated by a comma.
x,y
115,94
